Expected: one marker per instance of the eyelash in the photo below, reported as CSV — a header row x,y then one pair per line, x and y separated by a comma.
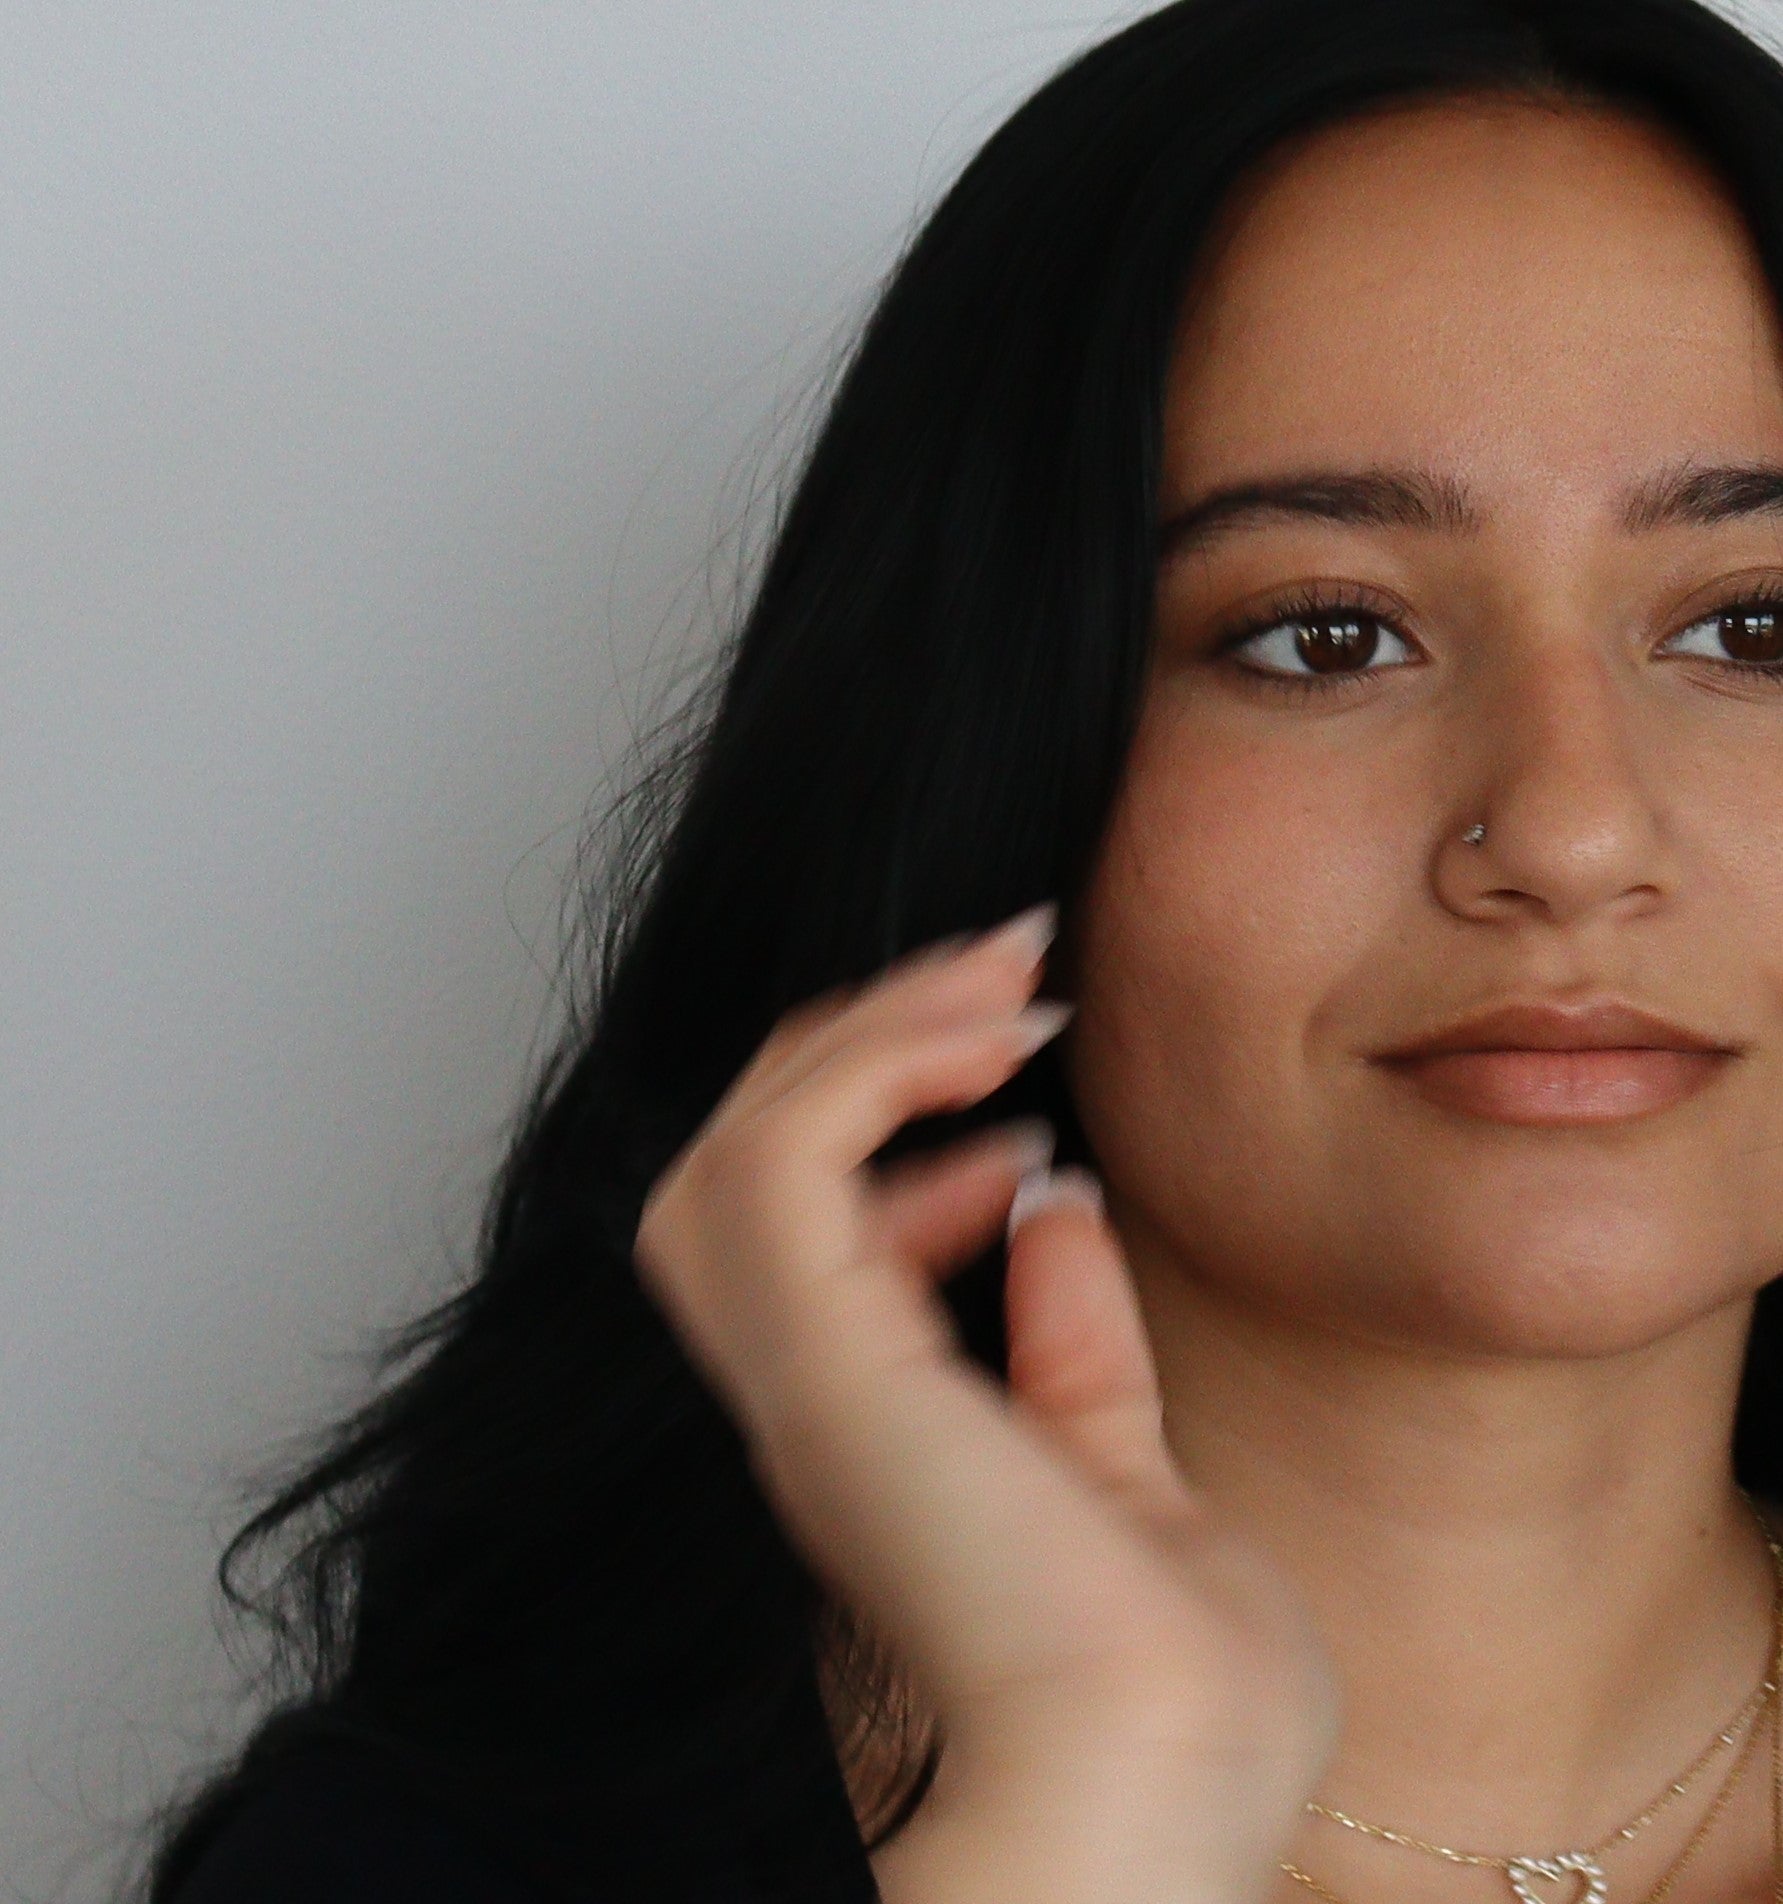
x,y
1316,601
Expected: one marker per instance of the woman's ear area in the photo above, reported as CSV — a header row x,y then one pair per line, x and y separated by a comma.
x,y
1060,977
1064,959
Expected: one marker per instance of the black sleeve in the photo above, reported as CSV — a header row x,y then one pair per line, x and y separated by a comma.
x,y
323,1832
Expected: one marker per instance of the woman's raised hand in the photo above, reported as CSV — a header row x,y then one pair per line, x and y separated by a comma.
x,y
1133,1702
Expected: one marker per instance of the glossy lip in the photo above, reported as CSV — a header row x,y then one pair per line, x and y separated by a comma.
x,y
1548,1064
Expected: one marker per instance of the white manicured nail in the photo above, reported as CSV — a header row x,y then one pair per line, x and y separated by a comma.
x,y
1044,1187
1039,1023
1033,931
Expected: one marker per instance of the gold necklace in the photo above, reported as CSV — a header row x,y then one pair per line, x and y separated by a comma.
x,y
1585,1862
1593,1886
1663,1888
1698,1837
1560,1868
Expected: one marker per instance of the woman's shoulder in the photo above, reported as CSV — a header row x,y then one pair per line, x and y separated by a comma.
x,y
332,1824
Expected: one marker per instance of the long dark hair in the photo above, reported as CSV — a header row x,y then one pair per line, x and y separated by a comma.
x,y
536,1571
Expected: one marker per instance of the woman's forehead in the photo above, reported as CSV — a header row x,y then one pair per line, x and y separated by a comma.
x,y
1546,295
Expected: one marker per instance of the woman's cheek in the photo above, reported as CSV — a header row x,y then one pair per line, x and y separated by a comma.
x,y
1239,928
1235,879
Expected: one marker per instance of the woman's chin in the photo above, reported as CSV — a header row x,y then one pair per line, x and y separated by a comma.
x,y
1482,1269
1544,1283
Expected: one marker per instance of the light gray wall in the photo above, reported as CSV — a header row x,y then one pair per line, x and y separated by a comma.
x,y
375,380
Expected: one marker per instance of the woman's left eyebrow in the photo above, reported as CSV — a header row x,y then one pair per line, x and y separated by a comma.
x,y
1686,493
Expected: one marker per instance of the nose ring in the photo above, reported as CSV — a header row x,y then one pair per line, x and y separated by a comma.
x,y
1475,834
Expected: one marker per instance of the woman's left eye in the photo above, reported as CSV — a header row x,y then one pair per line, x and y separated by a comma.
x,y
1749,635
1307,644
1322,647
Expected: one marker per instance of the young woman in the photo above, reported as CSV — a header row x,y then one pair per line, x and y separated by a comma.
x,y
1305,522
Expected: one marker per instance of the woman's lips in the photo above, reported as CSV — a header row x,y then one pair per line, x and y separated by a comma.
x,y
1560,1087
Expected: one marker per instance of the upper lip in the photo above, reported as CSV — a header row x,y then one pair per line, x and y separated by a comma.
x,y
1605,1025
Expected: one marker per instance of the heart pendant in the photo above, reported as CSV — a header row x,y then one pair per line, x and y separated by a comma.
x,y
1592,1886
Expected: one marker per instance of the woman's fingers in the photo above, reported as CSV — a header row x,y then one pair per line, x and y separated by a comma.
x,y
1079,1359
861,1093
768,1235
775,1176
964,978
818,1132
941,1210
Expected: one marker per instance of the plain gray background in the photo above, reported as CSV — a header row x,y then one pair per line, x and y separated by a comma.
x,y
379,383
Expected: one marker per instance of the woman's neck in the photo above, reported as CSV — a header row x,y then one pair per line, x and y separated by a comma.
x,y
1540,1587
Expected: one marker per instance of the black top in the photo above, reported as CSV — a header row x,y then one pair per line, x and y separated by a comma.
x,y
333,1825
327,1826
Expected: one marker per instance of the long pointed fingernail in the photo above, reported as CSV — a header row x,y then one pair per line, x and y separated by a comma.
x,y
1041,1021
1031,931
1044,1187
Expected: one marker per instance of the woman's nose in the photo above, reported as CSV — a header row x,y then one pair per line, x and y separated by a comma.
x,y
1559,767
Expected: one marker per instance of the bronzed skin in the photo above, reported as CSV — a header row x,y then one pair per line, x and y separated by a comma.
x,y
1471,1382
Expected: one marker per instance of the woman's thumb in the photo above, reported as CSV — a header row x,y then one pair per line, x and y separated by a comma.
x,y
1079,1360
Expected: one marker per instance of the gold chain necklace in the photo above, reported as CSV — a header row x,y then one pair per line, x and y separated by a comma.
x,y
1697,1838
1592,1885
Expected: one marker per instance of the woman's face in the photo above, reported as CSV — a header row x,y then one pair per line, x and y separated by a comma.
x,y
1524,314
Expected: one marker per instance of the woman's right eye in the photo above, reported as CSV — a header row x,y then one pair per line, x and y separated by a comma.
x,y
1321,648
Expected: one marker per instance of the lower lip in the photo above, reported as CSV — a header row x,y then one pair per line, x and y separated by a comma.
x,y
1560,1087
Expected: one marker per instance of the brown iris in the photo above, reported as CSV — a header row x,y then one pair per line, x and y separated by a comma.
x,y
1333,644
1752,634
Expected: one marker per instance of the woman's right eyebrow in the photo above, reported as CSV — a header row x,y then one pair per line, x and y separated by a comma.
x,y
1682,493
